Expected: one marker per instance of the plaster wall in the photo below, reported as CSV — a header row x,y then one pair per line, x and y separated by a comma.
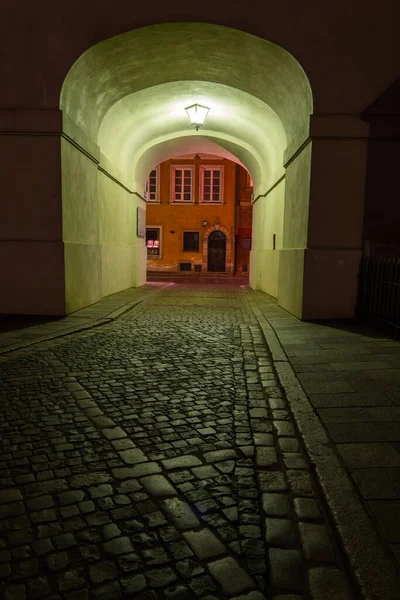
x,y
382,210
295,231
31,278
31,253
256,262
335,226
82,250
272,225
117,223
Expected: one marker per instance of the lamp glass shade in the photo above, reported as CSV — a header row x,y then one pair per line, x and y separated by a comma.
x,y
197,114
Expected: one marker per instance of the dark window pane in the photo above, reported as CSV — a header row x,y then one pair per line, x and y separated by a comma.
x,y
191,241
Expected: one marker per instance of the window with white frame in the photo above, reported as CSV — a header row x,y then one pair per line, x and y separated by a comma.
x,y
182,184
152,186
211,183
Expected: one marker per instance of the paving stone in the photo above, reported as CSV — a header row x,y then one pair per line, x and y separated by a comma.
x,y
266,457
202,585
294,460
316,542
251,596
66,540
57,561
329,583
307,509
285,428
204,543
88,479
286,569
300,483
121,545
44,516
43,546
100,491
220,455
225,466
38,587
160,577
11,495
133,456
177,593
181,462
258,413
133,585
271,481
230,576
109,591
102,423
263,439
180,513
71,580
114,434
110,531
140,470
70,497
288,597
289,444
231,513
205,472
46,487
189,568
11,510
157,485
15,592
277,505
281,532
100,572
122,444
129,486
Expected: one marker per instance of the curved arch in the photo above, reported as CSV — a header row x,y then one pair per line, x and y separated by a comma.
x,y
144,119
158,54
123,102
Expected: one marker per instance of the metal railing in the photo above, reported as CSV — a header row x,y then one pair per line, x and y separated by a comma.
x,y
379,291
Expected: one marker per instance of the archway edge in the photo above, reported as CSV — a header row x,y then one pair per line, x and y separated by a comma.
x,y
123,64
161,149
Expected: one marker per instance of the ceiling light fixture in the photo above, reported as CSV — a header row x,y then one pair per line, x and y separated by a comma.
x,y
197,114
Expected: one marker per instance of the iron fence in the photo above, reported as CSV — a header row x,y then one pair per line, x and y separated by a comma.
x,y
379,291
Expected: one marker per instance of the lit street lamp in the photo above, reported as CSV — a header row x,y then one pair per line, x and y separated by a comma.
x,y
197,114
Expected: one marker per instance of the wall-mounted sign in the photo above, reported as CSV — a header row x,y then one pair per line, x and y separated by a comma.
x,y
140,222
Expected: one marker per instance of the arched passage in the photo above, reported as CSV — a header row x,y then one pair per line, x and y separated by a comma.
x,y
123,104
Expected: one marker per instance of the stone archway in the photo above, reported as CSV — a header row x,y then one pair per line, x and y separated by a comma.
x,y
229,258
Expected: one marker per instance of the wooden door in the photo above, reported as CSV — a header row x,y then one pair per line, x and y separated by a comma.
x,y
216,252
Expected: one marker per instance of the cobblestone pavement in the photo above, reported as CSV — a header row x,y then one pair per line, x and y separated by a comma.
x,y
351,374
155,457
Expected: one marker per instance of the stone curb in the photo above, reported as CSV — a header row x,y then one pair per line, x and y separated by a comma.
x,y
376,574
97,323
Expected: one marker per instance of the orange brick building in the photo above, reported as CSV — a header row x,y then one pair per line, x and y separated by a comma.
x,y
198,216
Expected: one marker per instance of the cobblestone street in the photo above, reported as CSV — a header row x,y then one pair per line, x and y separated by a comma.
x,y
155,457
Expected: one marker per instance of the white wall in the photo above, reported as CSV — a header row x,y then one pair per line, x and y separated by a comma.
x,y
102,253
268,214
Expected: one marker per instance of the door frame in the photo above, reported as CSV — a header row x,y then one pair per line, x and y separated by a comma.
x,y
229,258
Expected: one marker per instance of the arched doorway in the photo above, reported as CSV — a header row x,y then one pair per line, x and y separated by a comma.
x,y
124,104
216,252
